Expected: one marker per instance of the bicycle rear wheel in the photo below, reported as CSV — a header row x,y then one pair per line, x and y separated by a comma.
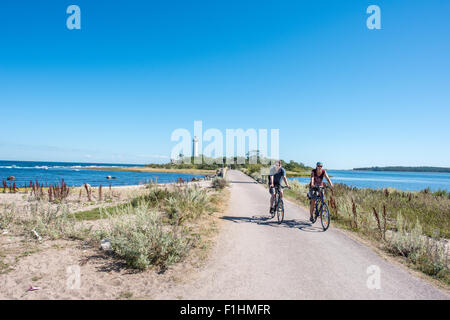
x,y
280,211
325,217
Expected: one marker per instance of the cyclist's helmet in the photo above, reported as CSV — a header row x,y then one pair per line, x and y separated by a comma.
x,y
319,164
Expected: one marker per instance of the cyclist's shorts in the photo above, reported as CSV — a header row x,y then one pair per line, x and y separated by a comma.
x,y
313,194
272,190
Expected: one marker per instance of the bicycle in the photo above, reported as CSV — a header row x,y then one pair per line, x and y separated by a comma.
x,y
321,208
278,204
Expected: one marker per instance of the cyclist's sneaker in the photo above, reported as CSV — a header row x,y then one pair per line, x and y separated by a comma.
x,y
311,219
272,210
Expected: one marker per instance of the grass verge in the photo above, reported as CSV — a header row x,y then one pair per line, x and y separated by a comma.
x,y
159,227
411,225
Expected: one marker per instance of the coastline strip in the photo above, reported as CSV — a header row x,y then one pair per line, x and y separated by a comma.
x,y
147,169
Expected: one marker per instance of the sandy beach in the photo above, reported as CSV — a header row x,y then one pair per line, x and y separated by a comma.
x,y
49,264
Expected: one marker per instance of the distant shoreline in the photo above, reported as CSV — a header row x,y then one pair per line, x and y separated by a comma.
x,y
405,169
293,174
147,169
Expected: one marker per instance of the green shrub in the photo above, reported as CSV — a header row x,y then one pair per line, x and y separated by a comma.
x,y
51,223
441,193
252,168
62,226
156,196
7,216
407,244
428,255
139,236
187,203
219,183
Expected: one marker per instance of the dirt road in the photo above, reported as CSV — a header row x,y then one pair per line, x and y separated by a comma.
x,y
255,258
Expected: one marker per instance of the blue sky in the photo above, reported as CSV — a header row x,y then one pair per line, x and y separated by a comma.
x,y
137,70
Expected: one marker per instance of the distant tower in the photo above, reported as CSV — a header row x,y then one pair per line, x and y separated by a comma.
x,y
195,147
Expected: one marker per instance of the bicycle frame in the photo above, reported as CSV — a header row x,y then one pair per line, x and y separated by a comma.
x,y
278,199
320,205
278,204
277,196
319,201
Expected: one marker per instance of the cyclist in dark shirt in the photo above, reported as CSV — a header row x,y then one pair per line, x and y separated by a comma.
x,y
317,176
276,174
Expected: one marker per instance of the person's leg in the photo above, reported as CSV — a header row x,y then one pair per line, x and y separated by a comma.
x,y
272,198
311,208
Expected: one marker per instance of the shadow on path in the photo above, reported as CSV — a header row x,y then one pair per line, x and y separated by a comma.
x,y
272,222
249,182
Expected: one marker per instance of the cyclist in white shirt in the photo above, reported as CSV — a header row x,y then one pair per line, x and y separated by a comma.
x,y
276,174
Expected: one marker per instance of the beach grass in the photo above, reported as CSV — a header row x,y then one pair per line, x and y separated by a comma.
x,y
96,213
157,226
412,225
154,228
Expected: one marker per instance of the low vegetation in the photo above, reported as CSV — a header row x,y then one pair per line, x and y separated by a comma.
x,y
293,169
140,237
252,162
151,229
41,221
413,225
219,183
155,228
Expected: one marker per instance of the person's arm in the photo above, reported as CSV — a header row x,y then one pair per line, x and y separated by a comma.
x,y
328,178
285,181
271,181
284,177
312,180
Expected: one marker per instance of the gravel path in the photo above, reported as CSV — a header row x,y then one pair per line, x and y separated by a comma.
x,y
255,258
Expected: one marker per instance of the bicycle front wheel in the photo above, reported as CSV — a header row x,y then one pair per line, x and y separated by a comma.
x,y
280,211
325,217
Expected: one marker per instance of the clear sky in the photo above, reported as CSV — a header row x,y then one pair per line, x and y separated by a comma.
x,y
137,70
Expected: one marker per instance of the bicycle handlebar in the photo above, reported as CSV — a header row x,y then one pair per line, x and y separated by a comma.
x,y
282,187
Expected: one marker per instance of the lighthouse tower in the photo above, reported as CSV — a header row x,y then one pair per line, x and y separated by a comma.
x,y
195,147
